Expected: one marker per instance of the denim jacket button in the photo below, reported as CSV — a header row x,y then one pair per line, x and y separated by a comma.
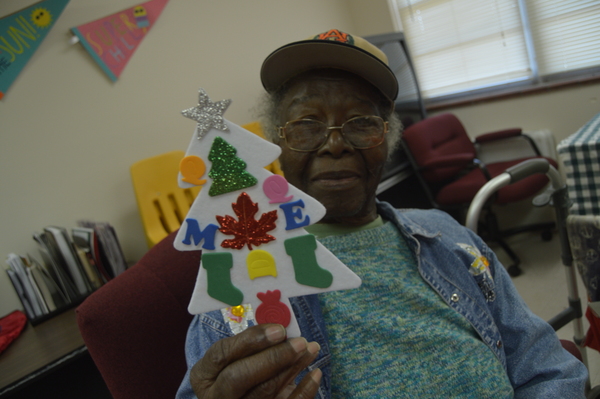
x,y
498,344
454,298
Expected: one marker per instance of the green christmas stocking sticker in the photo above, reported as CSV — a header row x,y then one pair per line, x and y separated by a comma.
x,y
228,172
306,269
218,278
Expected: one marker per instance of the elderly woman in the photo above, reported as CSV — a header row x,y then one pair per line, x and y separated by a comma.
x,y
436,315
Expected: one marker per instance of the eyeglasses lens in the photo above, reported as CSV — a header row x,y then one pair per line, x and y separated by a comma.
x,y
362,132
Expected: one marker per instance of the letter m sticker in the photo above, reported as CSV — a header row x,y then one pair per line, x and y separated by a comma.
x,y
193,233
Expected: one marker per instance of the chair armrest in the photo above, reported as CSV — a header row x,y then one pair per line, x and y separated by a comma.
x,y
483,169
505,134
499,135
456,160
135,326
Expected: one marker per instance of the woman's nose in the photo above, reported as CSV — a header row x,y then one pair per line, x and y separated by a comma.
x,y
335,144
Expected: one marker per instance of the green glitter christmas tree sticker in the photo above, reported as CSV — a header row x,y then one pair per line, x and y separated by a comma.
x,y
228,172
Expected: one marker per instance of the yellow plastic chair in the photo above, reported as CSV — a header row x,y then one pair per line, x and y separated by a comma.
x,y
162,204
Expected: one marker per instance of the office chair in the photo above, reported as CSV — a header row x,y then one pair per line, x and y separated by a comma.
x,y
135,325
446,164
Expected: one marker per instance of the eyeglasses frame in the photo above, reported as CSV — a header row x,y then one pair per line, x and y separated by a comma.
x,y
329,129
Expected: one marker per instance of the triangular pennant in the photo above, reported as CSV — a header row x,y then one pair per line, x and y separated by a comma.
x,y
112,40
21,33
255,251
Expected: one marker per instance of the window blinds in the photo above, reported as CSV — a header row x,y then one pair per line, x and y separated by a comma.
x,y
566,34
462,45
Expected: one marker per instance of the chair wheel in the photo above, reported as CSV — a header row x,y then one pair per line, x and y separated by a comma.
x,y
514,270
546,235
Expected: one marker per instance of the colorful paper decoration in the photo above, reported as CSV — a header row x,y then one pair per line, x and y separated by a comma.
x,y
276,188
207,114
228,172
237,317
192,169
260,255
218,276
246,229
272,310
21,34
112,40
260,263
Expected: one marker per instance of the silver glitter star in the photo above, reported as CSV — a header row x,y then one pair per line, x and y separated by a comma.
x,y
207,114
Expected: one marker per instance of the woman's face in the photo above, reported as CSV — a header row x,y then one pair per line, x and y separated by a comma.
x,y
342,178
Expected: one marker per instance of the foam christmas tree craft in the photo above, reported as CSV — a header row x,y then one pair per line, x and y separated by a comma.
x,y
248,223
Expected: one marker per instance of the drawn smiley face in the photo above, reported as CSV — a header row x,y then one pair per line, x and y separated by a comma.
x,y
41,17
139,11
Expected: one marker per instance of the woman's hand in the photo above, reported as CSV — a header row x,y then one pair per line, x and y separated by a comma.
x,y
257,363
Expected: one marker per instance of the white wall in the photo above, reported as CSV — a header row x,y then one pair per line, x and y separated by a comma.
x,y
68,134
562,111
371,17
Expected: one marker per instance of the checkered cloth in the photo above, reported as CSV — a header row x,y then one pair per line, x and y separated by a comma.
x,y
583,232
580,154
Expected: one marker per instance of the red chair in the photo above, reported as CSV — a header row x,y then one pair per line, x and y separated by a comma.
x,y
135,325
446,163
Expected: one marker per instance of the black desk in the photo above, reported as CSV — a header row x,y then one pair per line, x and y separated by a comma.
x,y
39,351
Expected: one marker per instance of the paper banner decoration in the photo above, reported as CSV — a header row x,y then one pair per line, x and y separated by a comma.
x,y
21,34
249,222
112,40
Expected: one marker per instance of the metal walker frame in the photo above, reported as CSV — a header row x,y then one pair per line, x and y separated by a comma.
x,y
558,197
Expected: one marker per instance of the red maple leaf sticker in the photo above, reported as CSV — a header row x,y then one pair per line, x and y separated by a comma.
x,y
246,229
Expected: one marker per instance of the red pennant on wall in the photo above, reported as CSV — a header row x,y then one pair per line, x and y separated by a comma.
x,y
112,40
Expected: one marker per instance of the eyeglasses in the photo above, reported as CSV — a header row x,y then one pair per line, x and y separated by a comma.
x,y
362,132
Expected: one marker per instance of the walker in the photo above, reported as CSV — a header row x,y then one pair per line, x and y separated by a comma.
x,y
558,197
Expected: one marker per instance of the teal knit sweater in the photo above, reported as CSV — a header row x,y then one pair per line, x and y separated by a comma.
x,y
394,336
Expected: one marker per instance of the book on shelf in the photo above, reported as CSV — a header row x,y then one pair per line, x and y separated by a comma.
x,y
110,253
45,308
86,239
67,256
23,285
16,282
55,270
68,269
50,292
89,267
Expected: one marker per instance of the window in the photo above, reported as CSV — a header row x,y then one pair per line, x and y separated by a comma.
x,y
464,46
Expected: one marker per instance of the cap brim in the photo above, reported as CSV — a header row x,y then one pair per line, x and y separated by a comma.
x,y
298,57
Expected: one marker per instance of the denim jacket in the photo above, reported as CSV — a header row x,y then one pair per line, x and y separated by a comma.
x,y
447,255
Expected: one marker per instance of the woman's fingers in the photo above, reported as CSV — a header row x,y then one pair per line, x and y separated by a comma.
x,y
256,363
273,387
308,387
228,350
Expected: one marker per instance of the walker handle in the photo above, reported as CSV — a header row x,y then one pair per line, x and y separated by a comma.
x,y
509,176
527,168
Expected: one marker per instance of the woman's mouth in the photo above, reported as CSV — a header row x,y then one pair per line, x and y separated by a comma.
x,y
338,178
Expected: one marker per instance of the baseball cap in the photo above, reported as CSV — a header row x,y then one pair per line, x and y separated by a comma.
x,y
331,49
